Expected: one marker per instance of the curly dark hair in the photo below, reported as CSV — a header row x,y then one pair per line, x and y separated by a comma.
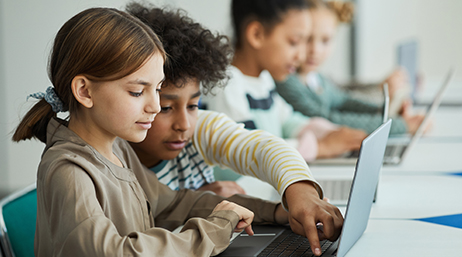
x,y
193,51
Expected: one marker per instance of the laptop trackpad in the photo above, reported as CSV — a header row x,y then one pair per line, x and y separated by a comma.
x,y
245,245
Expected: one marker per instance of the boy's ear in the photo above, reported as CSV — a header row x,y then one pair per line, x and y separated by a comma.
x,y
255,34
81,89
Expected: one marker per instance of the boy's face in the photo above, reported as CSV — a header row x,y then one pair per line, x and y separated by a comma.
x,y
284,47
174,126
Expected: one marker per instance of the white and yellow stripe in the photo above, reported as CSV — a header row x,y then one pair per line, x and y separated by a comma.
x,y
256,153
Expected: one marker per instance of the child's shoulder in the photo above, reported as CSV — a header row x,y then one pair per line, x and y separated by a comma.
x,y
212,121
209,116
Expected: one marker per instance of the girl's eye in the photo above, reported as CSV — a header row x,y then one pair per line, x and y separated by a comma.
x,y
293,42
136,94
158,90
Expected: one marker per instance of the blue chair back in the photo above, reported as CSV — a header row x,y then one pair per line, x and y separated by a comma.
x,y
17,223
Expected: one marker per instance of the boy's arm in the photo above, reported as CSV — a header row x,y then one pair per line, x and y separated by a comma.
x,y
256,153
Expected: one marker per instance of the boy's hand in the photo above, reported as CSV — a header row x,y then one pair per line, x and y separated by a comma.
x,y
306,210
223,188
281,216
245,215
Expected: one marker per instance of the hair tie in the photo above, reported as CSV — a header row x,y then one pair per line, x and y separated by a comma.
x,y
51,98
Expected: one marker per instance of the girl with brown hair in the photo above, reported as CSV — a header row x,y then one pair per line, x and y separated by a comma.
x,y
95,198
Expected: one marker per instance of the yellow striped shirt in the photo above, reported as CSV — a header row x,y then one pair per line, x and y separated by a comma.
x,y
255,153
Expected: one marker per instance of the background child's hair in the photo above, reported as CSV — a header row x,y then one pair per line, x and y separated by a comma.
x,y
102,44
341,9
267,12
194,52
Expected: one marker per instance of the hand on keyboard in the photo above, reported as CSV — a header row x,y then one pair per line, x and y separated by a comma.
x,y
306,210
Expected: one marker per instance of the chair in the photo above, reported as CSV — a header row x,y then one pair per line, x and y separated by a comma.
x,y
17,222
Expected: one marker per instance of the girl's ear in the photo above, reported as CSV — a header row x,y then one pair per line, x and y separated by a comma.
x,y
81,89
255,34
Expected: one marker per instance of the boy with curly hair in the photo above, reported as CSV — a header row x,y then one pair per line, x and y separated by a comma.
x,y
184,142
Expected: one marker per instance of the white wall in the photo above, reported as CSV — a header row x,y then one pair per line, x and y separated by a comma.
x,y
435,24
3,127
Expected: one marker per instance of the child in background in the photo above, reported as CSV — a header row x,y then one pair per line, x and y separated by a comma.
x,y
95,198
312,94
183,141
270,39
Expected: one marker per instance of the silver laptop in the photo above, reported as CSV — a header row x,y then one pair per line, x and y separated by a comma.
x,y
279,240
398,146
351,157
407,55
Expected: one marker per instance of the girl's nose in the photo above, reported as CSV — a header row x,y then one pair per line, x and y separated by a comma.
x,y
153,103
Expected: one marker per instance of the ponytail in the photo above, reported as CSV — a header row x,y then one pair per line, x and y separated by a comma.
x,y
35,122
343,10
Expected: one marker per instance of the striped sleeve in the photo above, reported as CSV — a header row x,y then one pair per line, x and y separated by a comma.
x,y
256,153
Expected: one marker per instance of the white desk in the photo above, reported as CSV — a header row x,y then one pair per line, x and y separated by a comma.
x,y
404,238
421,187
447,123
410,196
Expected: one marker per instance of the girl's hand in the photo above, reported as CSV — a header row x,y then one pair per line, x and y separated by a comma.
x,y
340,141
412,120
223,188
245,215
398,80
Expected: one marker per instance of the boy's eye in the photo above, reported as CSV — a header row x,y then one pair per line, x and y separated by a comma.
x,y
193,106
165,109
158,90
136,94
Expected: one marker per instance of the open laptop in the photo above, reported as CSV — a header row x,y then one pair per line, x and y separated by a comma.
x,y
398,146
351,157
269,240
407,55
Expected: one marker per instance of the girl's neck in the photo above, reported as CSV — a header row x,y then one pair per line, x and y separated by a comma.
x,y
303,74
101,142
146,159
246,62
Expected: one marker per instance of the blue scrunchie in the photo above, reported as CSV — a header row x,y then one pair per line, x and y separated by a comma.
x,y
51,98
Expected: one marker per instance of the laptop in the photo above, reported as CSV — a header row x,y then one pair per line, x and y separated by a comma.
x,y
351,157
398,146
407,55
273,240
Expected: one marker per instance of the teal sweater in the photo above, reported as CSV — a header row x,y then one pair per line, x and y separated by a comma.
x,y
335,105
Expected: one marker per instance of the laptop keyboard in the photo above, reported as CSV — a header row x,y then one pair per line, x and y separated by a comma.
x,y
291,244
390,151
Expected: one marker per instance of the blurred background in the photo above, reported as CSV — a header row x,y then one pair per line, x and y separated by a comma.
x,y
365,51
